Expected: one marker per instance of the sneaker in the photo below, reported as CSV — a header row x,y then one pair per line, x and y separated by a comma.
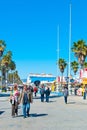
x,y
13,116
24,116
28,115
16,114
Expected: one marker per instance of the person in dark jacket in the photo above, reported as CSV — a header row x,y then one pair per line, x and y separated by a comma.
x,y
26,99
47,92
42,92
65,94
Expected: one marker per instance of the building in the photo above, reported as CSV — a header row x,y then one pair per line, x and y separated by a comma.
x,y
43,78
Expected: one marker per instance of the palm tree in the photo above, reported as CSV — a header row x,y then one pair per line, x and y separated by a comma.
x,y
74,66
12,67
85,65
6,58
5,63
2,47
62,65
80,50
17,78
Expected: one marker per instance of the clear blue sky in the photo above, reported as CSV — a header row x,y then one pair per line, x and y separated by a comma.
x,y
29,28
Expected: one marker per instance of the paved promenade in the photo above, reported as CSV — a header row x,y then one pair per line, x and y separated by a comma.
x,y
55,115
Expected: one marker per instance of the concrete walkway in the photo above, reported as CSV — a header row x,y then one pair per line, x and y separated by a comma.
x,y
55,115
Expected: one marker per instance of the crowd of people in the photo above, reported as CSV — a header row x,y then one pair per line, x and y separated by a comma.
x,y
25,98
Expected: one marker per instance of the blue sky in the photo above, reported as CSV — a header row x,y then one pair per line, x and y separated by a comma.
x,y
29,28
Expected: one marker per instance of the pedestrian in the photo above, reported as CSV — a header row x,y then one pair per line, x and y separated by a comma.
x,y
25,98
42,92
35,91
84,92
14,100
47,92
65,94
30,90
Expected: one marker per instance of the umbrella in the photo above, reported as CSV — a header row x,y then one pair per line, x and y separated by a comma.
x,y
37,82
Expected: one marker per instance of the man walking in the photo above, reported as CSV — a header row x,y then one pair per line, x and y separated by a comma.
x,y
65,94
25,99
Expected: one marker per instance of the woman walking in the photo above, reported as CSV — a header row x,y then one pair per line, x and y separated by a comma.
x,y
14,99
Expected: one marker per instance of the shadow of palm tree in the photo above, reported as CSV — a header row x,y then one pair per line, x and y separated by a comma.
x,y
1,112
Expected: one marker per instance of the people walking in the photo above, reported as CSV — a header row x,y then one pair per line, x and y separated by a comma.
x,y
65,94
35,91
14,99
25,98
47,92
42,92
84,92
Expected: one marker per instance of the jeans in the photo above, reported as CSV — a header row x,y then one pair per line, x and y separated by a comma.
x,y
15,109
42,97
65,99
47,98
26,109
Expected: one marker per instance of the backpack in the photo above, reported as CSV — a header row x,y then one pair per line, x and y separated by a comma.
x,y
30,88
25,98
42,91
65,92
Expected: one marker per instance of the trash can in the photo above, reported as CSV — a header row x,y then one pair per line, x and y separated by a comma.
x,y
84,95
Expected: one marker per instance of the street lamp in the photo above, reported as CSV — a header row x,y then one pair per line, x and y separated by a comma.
x,y
1,53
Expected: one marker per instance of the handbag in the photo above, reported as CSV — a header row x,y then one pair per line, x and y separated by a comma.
x,y
11,101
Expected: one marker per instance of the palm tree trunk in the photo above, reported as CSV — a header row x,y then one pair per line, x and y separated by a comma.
x,y
61,80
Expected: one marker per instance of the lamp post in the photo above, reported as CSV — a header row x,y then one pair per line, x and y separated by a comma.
x,y
57,88
68,78
1,53
69,69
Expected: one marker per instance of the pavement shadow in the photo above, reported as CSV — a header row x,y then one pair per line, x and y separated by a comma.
x,y
1,112
81,103
34,115
71,103
20,115
51,101
38,115
53,96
